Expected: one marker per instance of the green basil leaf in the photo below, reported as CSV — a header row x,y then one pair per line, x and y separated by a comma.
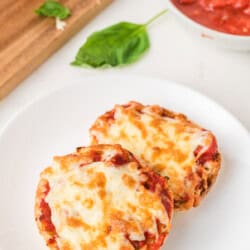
x,y
121,44
53,8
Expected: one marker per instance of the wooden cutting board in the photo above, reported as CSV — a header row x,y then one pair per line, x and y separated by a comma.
x,y
27,40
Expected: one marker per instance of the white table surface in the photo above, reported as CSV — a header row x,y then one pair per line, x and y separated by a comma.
x,y
175,55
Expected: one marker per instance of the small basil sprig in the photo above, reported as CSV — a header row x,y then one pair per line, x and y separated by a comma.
x,y
53,8
120,44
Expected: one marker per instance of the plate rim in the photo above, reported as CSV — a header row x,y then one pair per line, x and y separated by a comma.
x,y
77,82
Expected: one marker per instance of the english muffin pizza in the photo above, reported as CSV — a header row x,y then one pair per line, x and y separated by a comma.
x,y
101,197
170,144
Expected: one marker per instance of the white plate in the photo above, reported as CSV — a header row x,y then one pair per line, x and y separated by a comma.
x,y
58,123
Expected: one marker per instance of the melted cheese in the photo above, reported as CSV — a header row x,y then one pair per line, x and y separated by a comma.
x,y
95,206
165,144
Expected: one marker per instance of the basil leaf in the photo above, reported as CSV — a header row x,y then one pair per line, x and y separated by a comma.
x,y
53,8
120,44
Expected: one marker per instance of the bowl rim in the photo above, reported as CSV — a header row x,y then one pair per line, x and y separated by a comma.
x,y
211,32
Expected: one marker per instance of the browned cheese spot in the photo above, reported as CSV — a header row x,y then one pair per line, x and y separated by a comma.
x,y
128,181
88,203
77,222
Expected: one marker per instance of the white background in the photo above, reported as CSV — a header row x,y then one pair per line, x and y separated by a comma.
x,y
175,55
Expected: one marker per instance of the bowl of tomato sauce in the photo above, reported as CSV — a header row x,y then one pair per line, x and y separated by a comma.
x,y
226,22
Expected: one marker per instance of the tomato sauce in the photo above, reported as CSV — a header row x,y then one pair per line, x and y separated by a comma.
x,y
210,155
45,217
228,16
151,184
